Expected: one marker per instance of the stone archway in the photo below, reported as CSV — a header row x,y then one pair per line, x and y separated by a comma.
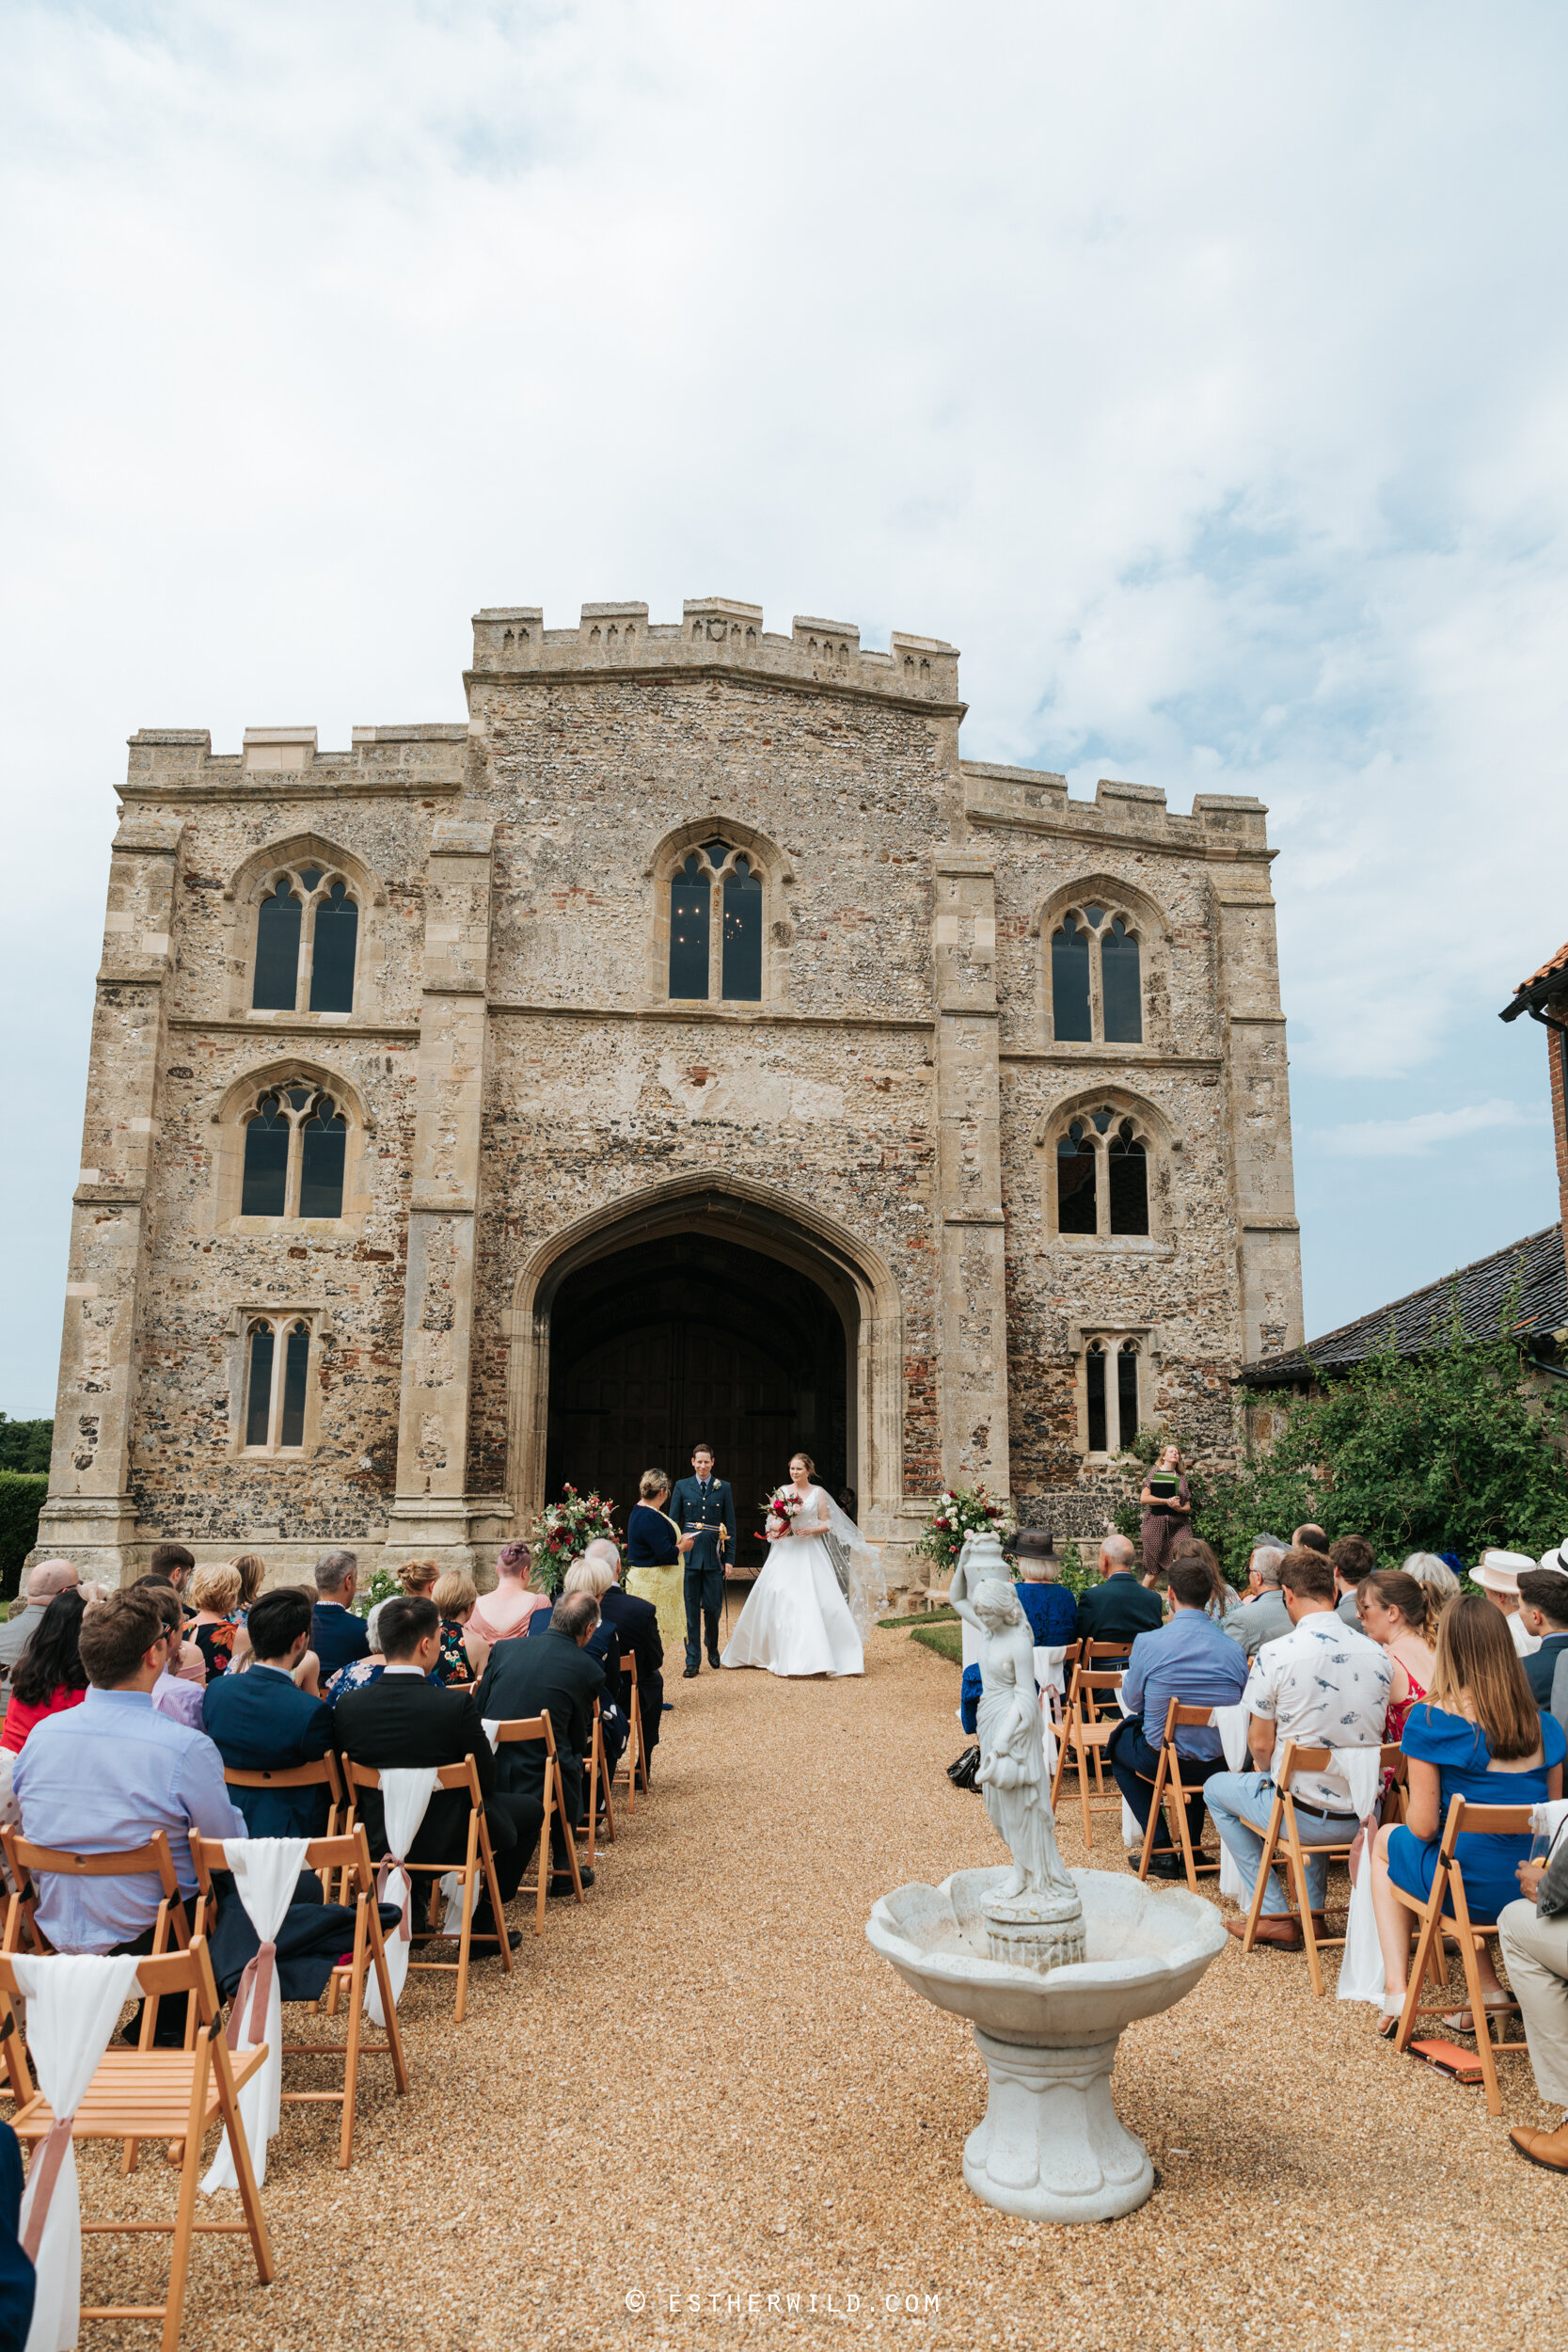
x,y
734,1225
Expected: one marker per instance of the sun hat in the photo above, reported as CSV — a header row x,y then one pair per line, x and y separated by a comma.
x,y
1554,1562
1499,1570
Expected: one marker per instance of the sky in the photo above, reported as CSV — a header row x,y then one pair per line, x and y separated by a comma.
x,y
1199,372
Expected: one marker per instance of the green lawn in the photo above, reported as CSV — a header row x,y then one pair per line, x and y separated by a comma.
x,y
946,1638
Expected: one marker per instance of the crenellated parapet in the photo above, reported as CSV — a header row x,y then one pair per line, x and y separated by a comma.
x,y
713,633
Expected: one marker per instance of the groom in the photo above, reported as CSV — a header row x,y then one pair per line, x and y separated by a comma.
x,y
704,1503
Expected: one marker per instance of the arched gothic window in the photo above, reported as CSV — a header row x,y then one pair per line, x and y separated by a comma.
x,y
306,943
717,907
276,1384
295,1153
1102,1161
1096,977
1110,1393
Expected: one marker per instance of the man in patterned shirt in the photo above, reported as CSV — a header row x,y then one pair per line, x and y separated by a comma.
x,y
1324,1686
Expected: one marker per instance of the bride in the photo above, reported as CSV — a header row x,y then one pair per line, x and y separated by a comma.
x,y
809,1610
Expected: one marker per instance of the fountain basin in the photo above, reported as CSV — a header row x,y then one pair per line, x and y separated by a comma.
x,y
1050,2147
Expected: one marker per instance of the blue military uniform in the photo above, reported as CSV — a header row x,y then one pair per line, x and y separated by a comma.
x,y
709,1506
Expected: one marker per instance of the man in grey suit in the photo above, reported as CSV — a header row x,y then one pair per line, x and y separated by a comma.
x,y
1534,1937
1262,1616
48,1577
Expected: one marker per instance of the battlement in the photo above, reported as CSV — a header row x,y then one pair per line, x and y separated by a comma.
x,y
511,641
1220,823
282,762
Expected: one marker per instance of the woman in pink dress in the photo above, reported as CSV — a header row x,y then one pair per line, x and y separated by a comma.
x,y
1398,1615
504,1613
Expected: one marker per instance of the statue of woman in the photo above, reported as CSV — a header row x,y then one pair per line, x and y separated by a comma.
x,y
1011,1732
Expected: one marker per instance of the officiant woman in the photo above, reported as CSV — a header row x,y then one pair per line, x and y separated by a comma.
x,y
1168,1511
655,1551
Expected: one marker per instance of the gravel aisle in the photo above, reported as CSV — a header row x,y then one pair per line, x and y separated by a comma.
x,y
706,2085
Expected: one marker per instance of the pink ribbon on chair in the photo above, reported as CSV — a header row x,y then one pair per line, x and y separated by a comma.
x,y
41,2177
389,1862
255,1987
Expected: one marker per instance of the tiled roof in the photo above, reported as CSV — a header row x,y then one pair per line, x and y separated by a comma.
x,y
1541,987
1535,1265
1553,963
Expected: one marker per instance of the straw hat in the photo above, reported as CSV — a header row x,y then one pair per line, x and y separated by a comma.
x,y
1499,1570
1556,1562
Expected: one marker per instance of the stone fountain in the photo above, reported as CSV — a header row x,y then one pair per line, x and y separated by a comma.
x,y
1049,1965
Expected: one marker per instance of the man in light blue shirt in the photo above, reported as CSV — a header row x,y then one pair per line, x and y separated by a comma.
x,y
1192,1662
113,1775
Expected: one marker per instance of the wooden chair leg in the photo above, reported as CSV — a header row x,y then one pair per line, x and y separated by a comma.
x,y
1479,2018
465,1940
1179,1797
492,1886
251,2196
570,1838
609,1808
1431,1917
1149,1826
351,2055
1271,1845
1304,1896
1063,1749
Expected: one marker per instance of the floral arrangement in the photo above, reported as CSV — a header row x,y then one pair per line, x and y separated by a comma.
x,y
783,1508
962,1511
564,1531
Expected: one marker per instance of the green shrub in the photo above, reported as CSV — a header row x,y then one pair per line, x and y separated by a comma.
x,y
22,1498
24,1445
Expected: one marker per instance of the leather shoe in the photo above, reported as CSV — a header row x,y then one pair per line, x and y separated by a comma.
x,y
714,1659
486,1927
1547,2149
1165,1866
690,1675
562,1882
1283,1933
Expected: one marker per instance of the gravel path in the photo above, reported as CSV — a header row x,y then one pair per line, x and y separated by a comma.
x,y
706,2085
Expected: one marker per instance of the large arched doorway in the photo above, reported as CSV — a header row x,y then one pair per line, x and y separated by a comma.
x,y
716,1308
695,1336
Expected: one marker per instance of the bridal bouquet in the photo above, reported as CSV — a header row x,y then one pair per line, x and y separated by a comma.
x,y
783,1510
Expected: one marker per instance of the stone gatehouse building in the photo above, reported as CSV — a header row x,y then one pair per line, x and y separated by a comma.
x,y
689,1044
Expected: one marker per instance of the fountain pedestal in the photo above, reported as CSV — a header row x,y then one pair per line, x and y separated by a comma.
x,y
1050,2146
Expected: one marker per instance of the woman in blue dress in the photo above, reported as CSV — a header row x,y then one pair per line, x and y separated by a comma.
x,y
1476,1733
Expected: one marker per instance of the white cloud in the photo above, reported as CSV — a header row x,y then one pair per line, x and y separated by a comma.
x,y
1195,371
1417,1137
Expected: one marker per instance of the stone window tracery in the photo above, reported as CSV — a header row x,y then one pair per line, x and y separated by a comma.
x,y
1097,976
1101,1174
307,942
295,1153
1109,1392
716,911
275,1383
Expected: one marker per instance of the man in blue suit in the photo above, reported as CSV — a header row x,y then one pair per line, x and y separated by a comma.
x,y
262,1722
702,1508
337,1635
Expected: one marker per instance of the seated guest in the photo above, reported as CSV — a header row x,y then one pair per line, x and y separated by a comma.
x,y
215,1598
1324,1687
1309,1538
405,1721
418,1579
1435,1576
44,1581
49,1677
359,1671
172,1565
1223,1596
1476,1733
591,1577
554,1676
108,1774
1261,1614
337,1635
1052,1611
1397,1612
18,2278
1190,1661
172,1695
1119,1607
1354,1559
635,1625
1499,1577
463,1654
262,1722
504,1613
1544,1607
188,1663
1534,1932
656,1558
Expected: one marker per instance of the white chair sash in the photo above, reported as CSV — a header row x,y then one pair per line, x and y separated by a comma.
x,y
73,2005
1231,1723
405,1795
266,1871
1050,1672
1361,1974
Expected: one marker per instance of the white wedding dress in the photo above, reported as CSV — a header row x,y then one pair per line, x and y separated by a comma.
x,y
800,1617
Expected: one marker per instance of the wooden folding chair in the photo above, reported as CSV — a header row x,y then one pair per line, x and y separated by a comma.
x,y
634,1755
176,2095
1084,1739
349,1859
1056,1699
1169,1789
589,1830
520,1732
153,1860
478,1863
324,1773
1292,1864
1106,1658
1448,1881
